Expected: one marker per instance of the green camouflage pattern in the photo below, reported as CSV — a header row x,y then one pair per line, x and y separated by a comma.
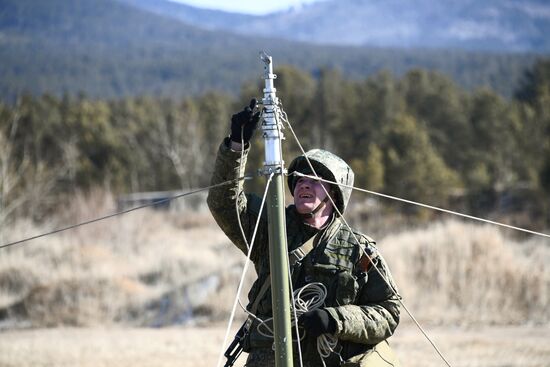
x,y
328,166
366,310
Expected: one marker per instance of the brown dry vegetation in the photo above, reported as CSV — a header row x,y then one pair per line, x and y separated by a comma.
x,y
457,273
144,268
484,297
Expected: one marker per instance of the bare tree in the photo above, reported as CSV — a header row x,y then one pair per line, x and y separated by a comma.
x,y
180,140
25,185
12,173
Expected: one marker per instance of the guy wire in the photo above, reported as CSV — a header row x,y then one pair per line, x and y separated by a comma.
x,y
245,268
246,177
430,207
295,314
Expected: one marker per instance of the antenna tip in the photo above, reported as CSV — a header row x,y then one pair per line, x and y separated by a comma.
x,y
265,57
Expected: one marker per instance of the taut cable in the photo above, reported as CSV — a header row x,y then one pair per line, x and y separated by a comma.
x,y
429,206
245,268
246,177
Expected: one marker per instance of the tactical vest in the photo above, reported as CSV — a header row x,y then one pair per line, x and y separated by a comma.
x,y
332,261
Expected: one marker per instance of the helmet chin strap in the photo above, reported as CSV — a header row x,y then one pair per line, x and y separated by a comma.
x,y
316,210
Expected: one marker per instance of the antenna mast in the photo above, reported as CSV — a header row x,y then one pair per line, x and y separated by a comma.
x,y
278,248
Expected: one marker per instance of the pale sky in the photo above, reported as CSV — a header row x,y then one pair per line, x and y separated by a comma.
x,y
246,6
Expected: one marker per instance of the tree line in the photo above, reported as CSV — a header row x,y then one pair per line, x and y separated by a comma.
x,y
419,136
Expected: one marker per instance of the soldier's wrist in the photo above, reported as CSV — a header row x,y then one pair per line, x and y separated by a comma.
x,y
233,145
334,315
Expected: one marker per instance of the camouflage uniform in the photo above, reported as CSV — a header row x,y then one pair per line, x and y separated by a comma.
x,y
366,310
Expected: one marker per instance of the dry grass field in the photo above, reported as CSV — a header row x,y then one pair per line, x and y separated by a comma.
x,y
155,289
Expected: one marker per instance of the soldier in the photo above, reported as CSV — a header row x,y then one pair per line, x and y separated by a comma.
x,y
361,309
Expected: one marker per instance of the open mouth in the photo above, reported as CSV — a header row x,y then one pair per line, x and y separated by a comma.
x,y
305,196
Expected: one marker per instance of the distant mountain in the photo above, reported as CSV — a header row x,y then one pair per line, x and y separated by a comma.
x,y
202,18
108,48
490,25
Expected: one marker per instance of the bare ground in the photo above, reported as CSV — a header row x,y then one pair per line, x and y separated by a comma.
x,y
521,346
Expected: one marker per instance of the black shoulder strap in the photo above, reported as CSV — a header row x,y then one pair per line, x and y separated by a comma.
x,y
299,253
294,256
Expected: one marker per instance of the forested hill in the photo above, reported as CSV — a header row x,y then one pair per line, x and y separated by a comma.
x,y
105,48
497,25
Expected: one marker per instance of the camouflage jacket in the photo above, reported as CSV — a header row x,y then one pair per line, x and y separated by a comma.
x,y
365,308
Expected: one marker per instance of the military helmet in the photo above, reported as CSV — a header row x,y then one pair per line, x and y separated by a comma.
x,y
327,166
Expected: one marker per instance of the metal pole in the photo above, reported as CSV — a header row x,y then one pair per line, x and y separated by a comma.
x,y
278,248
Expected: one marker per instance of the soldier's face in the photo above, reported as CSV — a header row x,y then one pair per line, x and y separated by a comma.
x,y
309,193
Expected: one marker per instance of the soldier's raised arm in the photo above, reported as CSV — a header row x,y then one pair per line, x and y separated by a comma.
x,y
230,164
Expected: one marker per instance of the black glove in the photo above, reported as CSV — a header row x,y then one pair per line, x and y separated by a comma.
x,y
317,322
245,121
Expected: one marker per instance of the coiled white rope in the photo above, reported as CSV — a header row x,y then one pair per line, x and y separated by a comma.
x,y
307,298
310,297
